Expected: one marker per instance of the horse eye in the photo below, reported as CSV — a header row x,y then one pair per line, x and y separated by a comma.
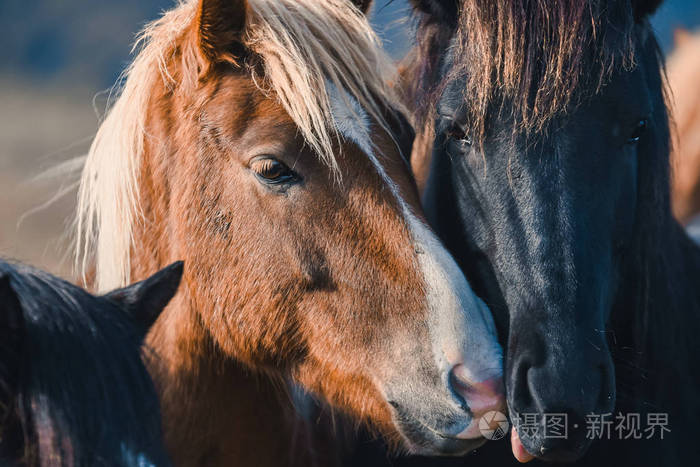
x,y
638,131
270,170
459,134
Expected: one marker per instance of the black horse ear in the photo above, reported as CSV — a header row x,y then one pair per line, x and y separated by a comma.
x,y
11,318
221,24
145,300
644,8
440,11
363,5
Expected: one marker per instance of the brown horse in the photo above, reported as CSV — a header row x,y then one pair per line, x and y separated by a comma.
x,y
683,68
258,141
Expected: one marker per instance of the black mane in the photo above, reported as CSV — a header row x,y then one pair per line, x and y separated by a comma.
x,y
82,393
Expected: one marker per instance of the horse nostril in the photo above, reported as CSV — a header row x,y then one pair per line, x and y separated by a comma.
x,y
577,389
479,397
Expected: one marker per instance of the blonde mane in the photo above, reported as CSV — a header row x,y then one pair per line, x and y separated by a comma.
x,y
301,45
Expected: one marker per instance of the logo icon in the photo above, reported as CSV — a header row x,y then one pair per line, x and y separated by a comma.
x,y
494,425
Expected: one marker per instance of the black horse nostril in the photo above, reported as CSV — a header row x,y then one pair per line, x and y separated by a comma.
x,y
576,390
520,393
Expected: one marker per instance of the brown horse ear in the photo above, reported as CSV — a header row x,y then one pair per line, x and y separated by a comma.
x,y
221,24
145,300
363,5
644,8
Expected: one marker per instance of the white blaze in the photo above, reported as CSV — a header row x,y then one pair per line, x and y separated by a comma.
x,y
462,329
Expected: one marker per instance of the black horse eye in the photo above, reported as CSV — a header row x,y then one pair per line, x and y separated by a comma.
x,y
639,129
270,170
458,133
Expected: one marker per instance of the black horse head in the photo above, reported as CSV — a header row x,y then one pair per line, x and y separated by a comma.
x,y
73,388
549,181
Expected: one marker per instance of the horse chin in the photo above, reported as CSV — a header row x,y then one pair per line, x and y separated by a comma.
x,y
434,445
422,440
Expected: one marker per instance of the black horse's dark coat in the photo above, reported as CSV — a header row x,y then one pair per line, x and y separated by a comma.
x,y
73,387
561,221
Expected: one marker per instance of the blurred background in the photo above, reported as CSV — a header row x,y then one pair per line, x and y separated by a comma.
x,y
57,62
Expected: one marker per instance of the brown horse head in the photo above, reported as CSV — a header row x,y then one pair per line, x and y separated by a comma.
x,y
260,142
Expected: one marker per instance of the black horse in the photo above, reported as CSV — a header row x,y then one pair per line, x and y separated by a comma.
x,y
73,388
549,182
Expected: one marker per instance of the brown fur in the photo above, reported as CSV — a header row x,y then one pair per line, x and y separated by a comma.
x,y
683,69
290,50
326,279
269,263
269,281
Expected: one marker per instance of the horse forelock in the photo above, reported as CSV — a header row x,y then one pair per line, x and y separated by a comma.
x,y
537,60
297,46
